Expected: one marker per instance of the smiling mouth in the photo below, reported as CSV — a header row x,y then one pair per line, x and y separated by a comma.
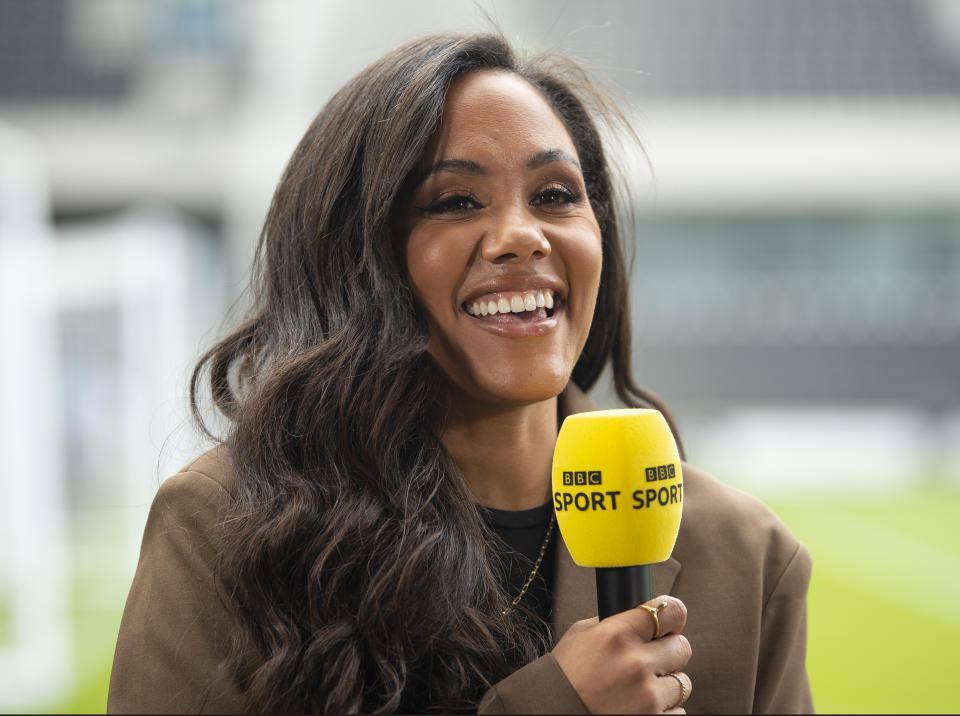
x,y
513,306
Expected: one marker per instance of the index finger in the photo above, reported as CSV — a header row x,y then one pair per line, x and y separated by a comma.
x,y
672,617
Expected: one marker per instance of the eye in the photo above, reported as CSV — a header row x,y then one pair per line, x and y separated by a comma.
x,y
451,204
556,195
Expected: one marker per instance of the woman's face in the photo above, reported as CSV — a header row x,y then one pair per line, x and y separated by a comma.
x,y
503,250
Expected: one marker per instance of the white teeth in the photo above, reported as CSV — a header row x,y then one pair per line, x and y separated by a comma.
x,y
517,303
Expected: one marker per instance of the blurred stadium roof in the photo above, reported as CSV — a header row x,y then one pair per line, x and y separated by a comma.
x,y
668,48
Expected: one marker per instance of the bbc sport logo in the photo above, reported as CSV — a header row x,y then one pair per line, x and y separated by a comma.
x,y
661,472
582,477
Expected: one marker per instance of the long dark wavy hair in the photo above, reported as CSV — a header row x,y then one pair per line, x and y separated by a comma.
x,y
358,567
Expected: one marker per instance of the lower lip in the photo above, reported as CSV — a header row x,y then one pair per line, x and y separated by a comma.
x,y
520,329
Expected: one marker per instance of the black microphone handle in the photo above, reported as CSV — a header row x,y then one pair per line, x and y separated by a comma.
x,y
622,588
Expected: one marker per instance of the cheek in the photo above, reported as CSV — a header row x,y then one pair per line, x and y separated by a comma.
x,y
586,270
595,261
434,263
419,259
586,260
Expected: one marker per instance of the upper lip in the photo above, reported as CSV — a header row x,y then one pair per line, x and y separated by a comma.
x,y
503,284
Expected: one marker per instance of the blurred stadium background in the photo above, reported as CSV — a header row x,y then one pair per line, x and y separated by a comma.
x,y
796,286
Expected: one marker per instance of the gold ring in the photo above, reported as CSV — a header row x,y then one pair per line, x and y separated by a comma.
x,y
683,688
655,613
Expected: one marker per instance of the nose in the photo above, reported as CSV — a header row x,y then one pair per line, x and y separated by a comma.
x,y
516,237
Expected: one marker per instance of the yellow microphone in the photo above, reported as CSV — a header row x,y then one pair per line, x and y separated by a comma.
x,y
618,495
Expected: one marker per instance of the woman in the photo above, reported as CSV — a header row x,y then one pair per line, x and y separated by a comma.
x,y
438,280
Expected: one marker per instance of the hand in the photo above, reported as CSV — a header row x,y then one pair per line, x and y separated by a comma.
x,y
616,666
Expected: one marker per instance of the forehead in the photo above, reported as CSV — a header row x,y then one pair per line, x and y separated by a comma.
x,y
497,110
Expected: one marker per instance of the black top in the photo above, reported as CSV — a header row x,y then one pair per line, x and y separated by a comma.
x,y
523,531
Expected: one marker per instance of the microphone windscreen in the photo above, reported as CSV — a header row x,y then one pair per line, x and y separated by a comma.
x,y
617,487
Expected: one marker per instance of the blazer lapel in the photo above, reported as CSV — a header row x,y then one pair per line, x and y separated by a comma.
x,y
575,587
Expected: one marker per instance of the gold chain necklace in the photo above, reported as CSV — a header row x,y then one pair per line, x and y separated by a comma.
x,y
536,565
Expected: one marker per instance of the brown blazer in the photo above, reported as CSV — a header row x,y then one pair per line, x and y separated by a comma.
x,y
739,570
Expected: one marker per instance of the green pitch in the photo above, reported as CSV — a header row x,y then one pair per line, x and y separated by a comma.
x,y
884,606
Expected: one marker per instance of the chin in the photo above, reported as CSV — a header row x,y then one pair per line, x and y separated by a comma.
x,y
502,378
522,389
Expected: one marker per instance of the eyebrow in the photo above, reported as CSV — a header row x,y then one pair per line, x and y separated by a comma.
x,y
465,166
456,166
549,156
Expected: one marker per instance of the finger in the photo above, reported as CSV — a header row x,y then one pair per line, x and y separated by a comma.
x,y
673,690
678,687
672,618
667,655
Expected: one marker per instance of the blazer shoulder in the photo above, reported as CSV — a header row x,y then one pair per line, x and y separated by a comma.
x,y
722,507
175,631
717,517
196,499
215,465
